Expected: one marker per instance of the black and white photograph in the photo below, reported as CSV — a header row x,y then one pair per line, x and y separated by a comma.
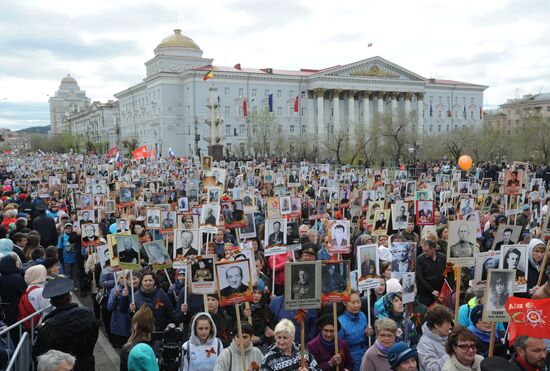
x,y
104,256
285,205
407,282
203,277
463,188
335,285
461,242
152,218
293,235
303,285
234,282
339,237
90,235
373,207
466,205
186,243
506,235
72,180
126,196
214,194
296,206
210,215
424,212
516,257
110,206
381,222
485,185
402,258
410,190
293,178
86,201
188,221
215,177
128,251
485,261
368,267
500,286
400,215
275,232
85,216
183,204
168,221
249,230
157,254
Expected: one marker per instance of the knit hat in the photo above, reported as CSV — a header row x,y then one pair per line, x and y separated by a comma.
x,y
49,262
393,285
399,353
6,246
526,207
143,358
35,274
215,296
475,314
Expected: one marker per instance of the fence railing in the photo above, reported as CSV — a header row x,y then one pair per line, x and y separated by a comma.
x,y
22,355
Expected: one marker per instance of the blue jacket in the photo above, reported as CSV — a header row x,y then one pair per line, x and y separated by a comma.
x,y
352,330
63,244
162,307
106,278
118,306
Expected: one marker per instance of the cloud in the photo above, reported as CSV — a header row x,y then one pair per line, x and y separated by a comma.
x,y
20,115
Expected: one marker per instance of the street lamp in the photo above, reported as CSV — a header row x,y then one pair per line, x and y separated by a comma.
x,y
411,151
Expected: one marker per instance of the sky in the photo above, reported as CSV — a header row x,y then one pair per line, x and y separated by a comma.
x,y
504,44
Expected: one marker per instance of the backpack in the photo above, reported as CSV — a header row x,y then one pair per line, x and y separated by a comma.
x,y
25,309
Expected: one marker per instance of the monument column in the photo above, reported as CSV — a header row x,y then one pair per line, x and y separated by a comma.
x,y
419,114
215,149
320,94
408,97
366,108
336,110
351,106
393,97
380,95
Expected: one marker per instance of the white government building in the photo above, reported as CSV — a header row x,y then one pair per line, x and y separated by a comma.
x,y
168,109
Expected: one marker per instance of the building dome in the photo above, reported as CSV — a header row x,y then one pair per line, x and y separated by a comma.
x,y
68,80
177,40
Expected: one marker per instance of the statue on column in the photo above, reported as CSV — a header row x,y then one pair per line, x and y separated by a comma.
x,y
215,147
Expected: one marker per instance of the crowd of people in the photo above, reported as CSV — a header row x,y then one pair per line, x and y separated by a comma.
x,y
136,236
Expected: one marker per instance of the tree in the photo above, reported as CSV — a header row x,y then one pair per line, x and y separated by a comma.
x,y
395,132
264,129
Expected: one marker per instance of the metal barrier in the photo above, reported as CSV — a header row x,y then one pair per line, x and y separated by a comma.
x,y
22,356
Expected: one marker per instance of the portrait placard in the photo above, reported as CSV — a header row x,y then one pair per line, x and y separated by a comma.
x,y
402,258
233,214
506,235
90,235
203,277
210,216
152,218
407,282
500,286
168,221
516,257
303,285
125,197
424,212
186,243
128,251
339,237
368,267
275,232
104,256
485,261
461,243
234,282
157,254
513,180
381,222
335,282
400,213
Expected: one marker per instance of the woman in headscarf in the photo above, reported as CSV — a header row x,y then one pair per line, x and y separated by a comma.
x,y
394,309
12,285
535,250
35,277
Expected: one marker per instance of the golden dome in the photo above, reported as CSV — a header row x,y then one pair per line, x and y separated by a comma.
x,y
177,40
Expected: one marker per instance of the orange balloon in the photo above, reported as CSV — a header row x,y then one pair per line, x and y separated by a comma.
x,y
465,162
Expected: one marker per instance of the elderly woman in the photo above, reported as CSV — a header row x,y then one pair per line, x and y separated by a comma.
x,y
376,357
536,251
322,347
461,347
284,355
431,347
35,277
394,310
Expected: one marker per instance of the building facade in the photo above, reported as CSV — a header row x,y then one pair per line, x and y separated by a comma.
x,y
168,109
99,123
515,113
68,100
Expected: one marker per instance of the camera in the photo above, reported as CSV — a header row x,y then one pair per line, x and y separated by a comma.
x,y
170,348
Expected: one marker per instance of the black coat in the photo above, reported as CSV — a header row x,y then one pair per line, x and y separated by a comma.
x,y
45,225
70,329
429,276
12,286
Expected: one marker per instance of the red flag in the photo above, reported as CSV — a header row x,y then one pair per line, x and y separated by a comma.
x,y
528,317
8,152
480,113
296,104
112,151
444,294
140,153
245,108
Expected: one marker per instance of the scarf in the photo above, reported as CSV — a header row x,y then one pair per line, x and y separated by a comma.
x,y
524,365
484,336
329,345
381,347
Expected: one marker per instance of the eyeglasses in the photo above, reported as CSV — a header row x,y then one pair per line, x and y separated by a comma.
x,y
467,346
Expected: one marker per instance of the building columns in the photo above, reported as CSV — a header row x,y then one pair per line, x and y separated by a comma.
x,y
408,97
366,109
310,113
380,95
419,119
320,94
351,107
336,110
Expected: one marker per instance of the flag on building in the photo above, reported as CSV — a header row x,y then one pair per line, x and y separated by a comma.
x,y
296,104
431,110
208,75
245,108
270,102
449,114
140,153
369,45
465,116
113,151
529,317
480,113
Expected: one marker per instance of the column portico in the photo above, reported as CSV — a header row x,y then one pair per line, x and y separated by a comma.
x,y
336,110
320,94
419,113
380,95
408,97
366,108
310,113
351,106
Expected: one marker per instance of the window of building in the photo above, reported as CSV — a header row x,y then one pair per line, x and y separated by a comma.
x,y
303,129
280,129
279,111
254,92
303,95
227,110
456,114
188,129
235,132
227,129
303,111
509,122
438,128
240,108
547,108
227,91
279,93
241,92
291,129
517,122
472,114
241,129
266,92
439,114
